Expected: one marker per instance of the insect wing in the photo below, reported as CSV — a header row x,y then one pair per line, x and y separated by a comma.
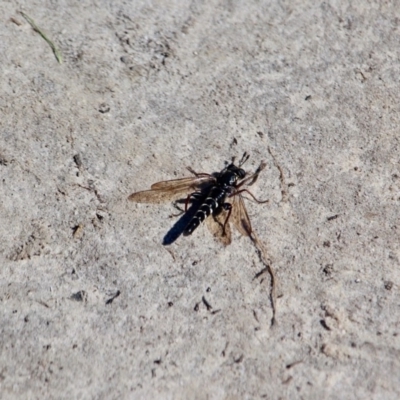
x,y
169,190
155,196
215,224
240,218
193,182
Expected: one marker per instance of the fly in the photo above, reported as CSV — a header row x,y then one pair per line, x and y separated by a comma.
x,y
219,198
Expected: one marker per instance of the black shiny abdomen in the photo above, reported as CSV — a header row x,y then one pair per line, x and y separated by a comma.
x,y
224,186
214,199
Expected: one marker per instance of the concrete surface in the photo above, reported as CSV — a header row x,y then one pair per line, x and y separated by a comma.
x,y
93,306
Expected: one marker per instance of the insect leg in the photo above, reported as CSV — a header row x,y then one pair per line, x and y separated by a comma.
x,y
254,176
197,174
226,207
251,194
195,195
175,204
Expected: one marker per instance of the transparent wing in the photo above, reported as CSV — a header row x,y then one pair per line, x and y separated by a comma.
x,y
215,224
239,216
157,196
192,182
171,190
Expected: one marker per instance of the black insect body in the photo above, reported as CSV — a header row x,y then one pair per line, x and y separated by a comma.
x,y
215,200
210,193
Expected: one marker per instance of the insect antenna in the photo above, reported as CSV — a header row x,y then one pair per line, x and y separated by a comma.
x,y
244,158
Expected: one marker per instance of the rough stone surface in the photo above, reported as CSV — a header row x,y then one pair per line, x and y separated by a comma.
x,y
93,305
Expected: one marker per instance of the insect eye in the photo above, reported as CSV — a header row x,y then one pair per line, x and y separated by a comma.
x,y
241,173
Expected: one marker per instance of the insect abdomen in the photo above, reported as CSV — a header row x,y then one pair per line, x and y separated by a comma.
x,y
211,203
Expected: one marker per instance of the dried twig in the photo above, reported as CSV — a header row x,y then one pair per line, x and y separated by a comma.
x,y
41,33
262,254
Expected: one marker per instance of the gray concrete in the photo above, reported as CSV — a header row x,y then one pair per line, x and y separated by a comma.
x,y
147,88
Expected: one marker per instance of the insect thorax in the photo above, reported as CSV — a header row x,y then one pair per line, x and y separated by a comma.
x,y
230,176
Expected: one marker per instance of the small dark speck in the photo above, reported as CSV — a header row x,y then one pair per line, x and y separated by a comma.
x,y
239,359
258,274
78,160
110,300
79,296
293,364
255,316
99,217
77,231
194,263
388,285
15,311
208,290
43,304
307,98
324,325
206,303
259,133
328,269
104,108
26,319
196,307
332,217
170,304
327,243
3,160
15,21
158,362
